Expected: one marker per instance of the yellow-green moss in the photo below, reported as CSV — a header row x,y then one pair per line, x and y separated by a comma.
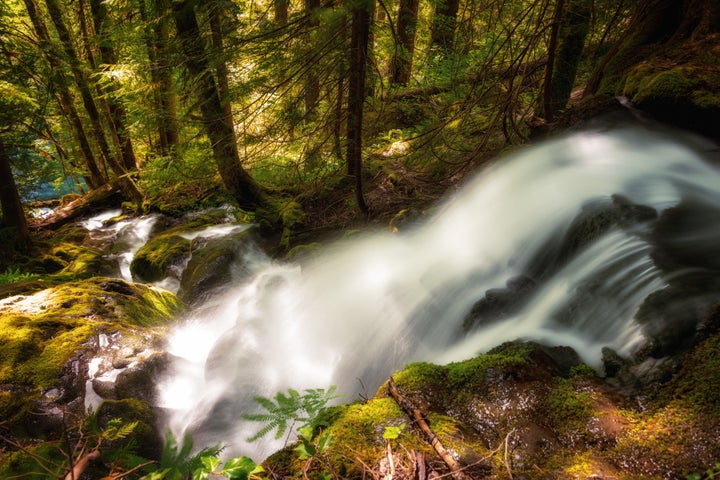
x,y
58,321
359,434
24,464
697,386
80,260
152,261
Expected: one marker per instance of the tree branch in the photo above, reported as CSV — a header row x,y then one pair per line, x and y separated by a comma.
x,y
419,419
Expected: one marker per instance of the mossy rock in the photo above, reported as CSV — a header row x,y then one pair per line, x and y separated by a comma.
x,y
679,85
215,262
41,332
153,261
144,436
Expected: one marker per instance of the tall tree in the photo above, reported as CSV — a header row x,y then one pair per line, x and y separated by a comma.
x,y
444,22
66,101
156,16
570,28
312,84
402,60
217,126
12,210
280,10
117,111
361,11
83,84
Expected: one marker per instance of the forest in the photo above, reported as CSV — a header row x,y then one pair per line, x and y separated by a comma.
x,y
312,120
272,106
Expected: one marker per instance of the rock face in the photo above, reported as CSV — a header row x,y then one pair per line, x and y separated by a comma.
x,y
70,347
215,262
527,411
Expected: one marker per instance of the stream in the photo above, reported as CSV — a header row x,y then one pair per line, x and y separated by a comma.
x,y
560,243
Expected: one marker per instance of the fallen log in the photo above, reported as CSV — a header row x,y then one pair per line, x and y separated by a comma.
x,y
419,419
103,197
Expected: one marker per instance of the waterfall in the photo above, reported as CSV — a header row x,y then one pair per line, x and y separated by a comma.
x,y
367,305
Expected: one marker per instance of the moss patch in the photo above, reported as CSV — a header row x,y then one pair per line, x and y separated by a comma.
x,y
40,333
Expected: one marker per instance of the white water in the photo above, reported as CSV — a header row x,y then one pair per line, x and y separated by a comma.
x,y
369,305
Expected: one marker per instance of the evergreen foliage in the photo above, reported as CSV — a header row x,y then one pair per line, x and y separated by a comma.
x,y
307,411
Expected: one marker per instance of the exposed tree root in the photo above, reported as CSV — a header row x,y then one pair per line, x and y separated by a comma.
x,y
419,419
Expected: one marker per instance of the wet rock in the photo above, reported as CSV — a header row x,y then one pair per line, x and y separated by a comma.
x,y
155,259
500,303
216,262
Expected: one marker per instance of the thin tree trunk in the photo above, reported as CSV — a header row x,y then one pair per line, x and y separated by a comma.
x,y
312,84
573,30
547,111
65,98
216,19
280,10
217,128
12,210
118,114
405,48
83,85
442,30
361,16
163,86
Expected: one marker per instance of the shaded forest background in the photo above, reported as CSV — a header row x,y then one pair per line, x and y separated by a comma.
x,y
322,112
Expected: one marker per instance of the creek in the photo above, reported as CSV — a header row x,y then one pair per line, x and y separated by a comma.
x,y
560,243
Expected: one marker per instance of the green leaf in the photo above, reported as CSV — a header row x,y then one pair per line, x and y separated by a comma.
x,y
305,450
210,462
239,468
200,474
325,442
306,433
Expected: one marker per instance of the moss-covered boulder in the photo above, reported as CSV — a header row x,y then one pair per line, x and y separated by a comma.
x,y
51,337
154,260
526,411
216,262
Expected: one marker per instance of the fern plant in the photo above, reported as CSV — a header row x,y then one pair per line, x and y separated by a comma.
x,y
179,463
284,411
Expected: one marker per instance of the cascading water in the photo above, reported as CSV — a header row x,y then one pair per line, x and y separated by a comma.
x,y
368,305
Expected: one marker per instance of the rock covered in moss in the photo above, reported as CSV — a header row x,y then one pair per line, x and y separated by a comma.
x,y
51,337
530,410
155,259
215,262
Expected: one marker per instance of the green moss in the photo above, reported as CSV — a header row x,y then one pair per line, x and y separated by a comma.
x,y
38,343
300,251
568,407
697,386
359,430
81,261
24,464
644,83
153,260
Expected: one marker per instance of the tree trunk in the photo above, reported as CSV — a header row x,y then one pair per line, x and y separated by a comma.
x,y
312,84
161,74
83,85
573,31
442,30
65,98
118,114
653,23
361,16
404,49
280,11
215,122
12,210
216,19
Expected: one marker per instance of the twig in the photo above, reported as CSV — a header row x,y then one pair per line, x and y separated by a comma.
x,y
507,463
417,416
